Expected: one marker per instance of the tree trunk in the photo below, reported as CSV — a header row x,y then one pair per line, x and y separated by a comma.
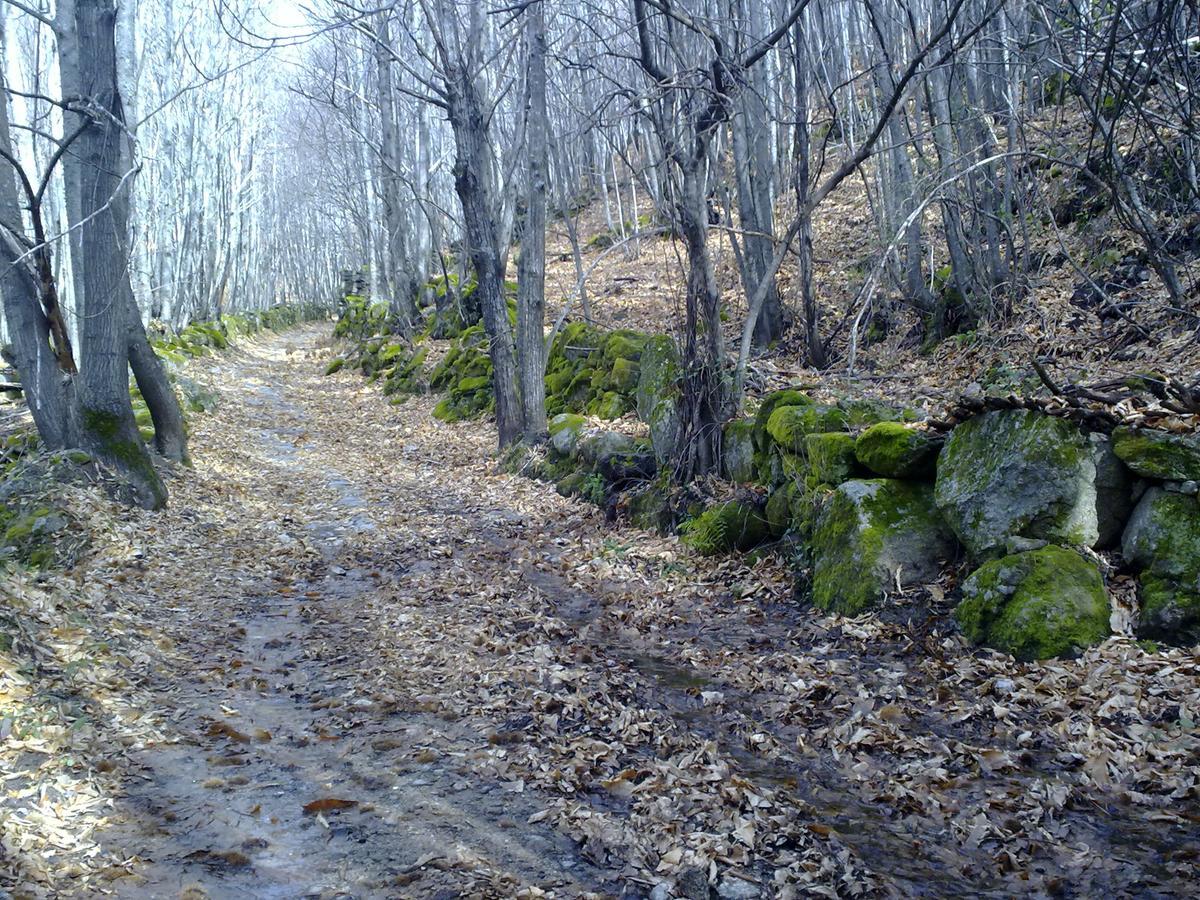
x,y
87,58
44,381
170,433
471,179
703,402
531,272
398,276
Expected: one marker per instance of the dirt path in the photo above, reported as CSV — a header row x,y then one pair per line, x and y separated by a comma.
x,y
374,667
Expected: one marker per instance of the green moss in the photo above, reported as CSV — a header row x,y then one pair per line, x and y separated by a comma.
x,y
623,377
895,450
870,533
1163,536
572,484
779,509
830,457
789,397
1169,612
789,425
610,405
725,527
1158,454
1017,473
624,344
1036,604
658,393
650,507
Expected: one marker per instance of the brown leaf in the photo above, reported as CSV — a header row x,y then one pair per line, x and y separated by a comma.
x,y
328,804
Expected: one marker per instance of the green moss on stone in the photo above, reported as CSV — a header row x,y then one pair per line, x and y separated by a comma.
x,y
789,425
1169,612
1158,454
895,450
610,405
1036,604
830,457
868,533
1017,473
737,450
771,402
624,376
658,393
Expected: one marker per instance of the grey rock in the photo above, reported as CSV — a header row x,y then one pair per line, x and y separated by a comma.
x,y
1018,473
732,888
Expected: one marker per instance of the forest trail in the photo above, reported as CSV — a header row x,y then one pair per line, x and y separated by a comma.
x,y
371,665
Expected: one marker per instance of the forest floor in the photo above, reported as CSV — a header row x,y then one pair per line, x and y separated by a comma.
x,y
353,659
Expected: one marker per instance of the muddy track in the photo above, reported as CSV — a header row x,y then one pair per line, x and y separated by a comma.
x,y
263,795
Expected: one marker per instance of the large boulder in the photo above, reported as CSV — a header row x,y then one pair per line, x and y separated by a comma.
x,y
869,533
737,450
1036,604
1017,474
1162,541
895,450
1159,454
658,394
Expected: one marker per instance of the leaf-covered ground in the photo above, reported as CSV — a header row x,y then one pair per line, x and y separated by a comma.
x,y
352,659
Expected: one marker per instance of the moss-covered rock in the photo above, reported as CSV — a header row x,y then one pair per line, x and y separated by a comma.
x,y
658,394
565,431
869,534
624,344
37,526
623,377
1017,473
594,371
725,527
1159,454
896,450
768,405
1169,612
572,484
737,450
335,365
405,374
597,446
1162,541
794,508
1036,604
650,507
1163,537
789,425
622,467
830,457
609,405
